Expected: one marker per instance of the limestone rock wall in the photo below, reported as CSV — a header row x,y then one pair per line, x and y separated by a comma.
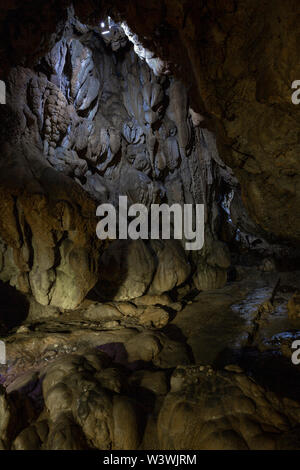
x,y
90,122
238,59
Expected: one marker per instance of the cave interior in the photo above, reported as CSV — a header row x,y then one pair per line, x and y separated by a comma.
x,y
139,343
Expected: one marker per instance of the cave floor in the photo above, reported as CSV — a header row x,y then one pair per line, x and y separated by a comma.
x,y
212,329
224,353
239,315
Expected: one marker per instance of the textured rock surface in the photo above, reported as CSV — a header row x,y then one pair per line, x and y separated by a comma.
x,y
218,376
93,116
5,417
127,270
111,345
222,411
241,58
85,403
294,306
91,123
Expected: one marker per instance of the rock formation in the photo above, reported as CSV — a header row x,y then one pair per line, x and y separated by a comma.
x,y
106,124
140,343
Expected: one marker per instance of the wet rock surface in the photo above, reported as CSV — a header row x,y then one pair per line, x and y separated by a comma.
x,y
107,380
